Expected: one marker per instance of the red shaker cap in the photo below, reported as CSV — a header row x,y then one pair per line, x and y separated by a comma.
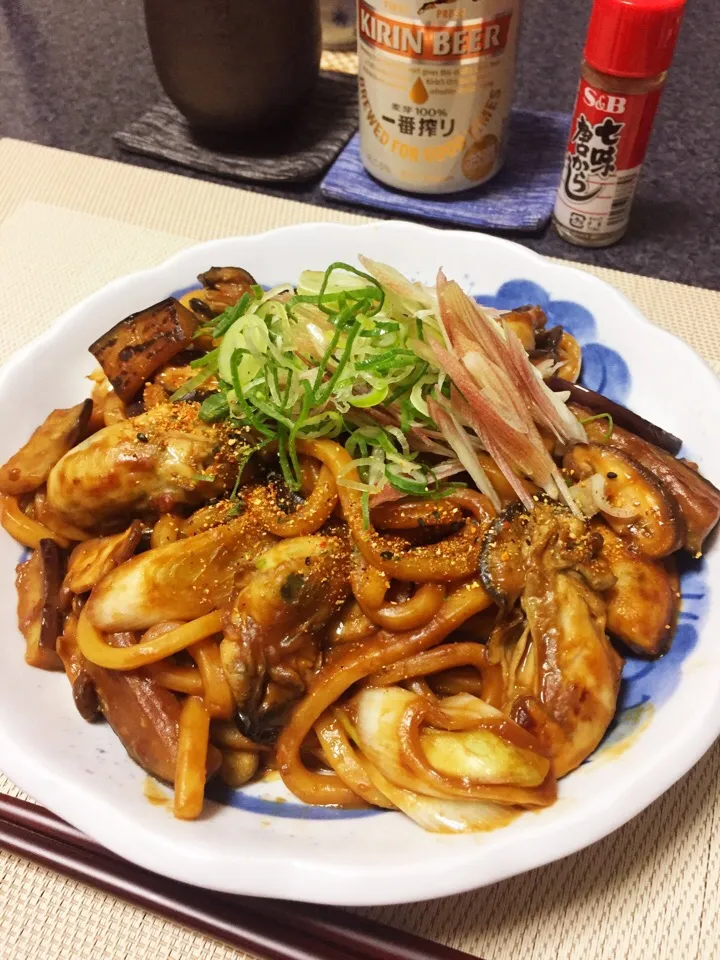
x,y
633,38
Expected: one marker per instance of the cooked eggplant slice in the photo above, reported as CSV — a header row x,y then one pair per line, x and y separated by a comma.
x,y
85,697
84,692
521,324
530,314
698,499
502,559
569,355
134,349
52,562
595,403
28,469
558,347
144,715
94,559
548,340
201,309
644,602
640,507
546,346
38,585
218,277
224,286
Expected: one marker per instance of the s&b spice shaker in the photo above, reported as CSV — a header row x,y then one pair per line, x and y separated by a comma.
x,y
629,48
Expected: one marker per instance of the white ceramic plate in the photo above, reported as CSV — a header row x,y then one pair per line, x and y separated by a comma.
x,y
670,710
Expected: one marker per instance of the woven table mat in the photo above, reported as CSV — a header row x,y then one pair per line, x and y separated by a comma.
x,y
68,225
295,154
521,197
339,60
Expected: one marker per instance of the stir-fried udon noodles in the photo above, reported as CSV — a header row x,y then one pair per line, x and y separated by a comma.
x,y
361,531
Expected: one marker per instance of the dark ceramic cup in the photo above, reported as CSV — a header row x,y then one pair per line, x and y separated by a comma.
x,y
233,66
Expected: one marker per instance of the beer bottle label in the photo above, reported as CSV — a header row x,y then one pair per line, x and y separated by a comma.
x,y
436,85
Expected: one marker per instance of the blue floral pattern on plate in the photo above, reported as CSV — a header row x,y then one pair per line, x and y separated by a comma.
x,y
603,370
287,809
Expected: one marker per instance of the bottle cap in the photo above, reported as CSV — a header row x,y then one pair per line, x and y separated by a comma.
x,y
633,38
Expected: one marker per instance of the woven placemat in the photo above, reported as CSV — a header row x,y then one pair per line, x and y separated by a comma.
x,y
648,892
340,60
297,152
520,197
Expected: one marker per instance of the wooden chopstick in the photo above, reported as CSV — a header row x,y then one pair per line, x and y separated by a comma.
x,y
152,893
272,930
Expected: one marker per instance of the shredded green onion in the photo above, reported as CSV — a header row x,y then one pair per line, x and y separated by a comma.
x,y
191,385
229,316
359,273
334,357
243,462
240,399
371,399
206,358
365,506
602,416
214,408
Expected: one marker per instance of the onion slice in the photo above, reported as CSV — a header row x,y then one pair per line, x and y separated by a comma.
x,y
441,815
597,486
389,494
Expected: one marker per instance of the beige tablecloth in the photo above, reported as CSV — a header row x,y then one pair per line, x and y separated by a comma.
x,y
69,224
